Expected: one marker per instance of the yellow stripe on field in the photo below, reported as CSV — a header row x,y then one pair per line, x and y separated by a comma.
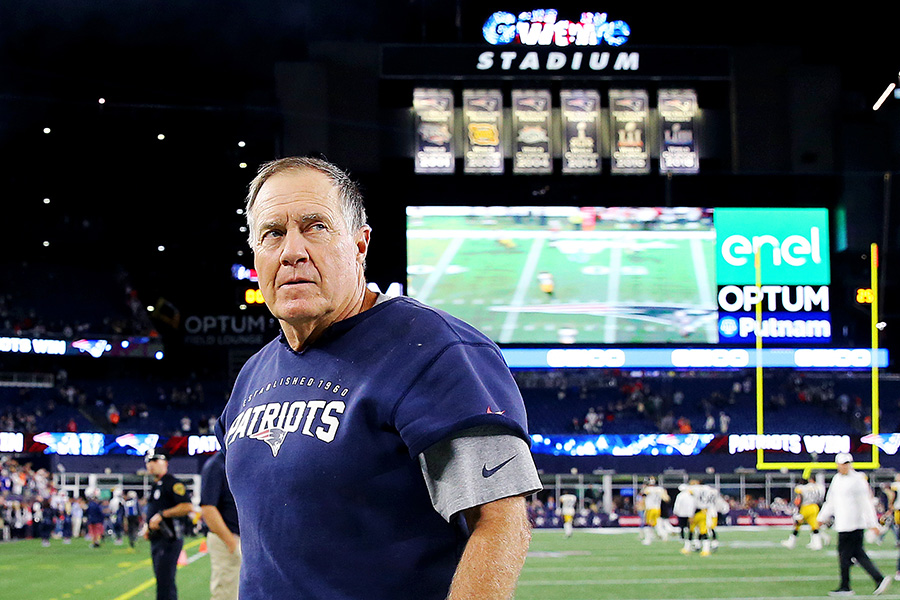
x,y
151,582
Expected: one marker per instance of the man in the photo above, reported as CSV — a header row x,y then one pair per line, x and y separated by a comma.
x,y
807,497
683,508
168,503
850,502
704,499
654,495
96,516
719,507
224,543
132,518
568,501
400,419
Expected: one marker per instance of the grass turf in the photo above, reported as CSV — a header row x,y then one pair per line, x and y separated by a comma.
x,y
591,565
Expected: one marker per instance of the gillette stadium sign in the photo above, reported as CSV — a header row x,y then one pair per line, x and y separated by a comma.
x,y
543,27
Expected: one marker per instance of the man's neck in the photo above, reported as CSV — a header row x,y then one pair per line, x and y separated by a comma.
x,y
299,338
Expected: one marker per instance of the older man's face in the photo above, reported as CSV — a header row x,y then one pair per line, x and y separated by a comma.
x,y
309,265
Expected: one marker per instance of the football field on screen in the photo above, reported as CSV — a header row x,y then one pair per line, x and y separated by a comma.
x,y
591,565
609,286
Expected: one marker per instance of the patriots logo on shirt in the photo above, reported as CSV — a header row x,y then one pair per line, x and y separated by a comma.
x,y
273,436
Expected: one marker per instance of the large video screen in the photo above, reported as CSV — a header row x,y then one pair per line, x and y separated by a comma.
x,y
552,275
625,275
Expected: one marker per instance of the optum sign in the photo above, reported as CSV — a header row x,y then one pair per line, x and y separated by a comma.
x,y
792,244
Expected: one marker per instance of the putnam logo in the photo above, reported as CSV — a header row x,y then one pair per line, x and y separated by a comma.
x,y
273,422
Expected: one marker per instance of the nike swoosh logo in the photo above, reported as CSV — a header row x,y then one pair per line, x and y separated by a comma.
x,y
485,472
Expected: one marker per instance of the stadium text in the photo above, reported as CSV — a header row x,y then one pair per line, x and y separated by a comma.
x,y
11,441
827,358
585,358
792,443
202,444
29,346
540,28
695,359
784,328
733,298
224,324
555,61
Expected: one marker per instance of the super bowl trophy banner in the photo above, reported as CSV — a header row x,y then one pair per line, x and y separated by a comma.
x,y
629,115
483,121
678,151
434,130
531,132
580,119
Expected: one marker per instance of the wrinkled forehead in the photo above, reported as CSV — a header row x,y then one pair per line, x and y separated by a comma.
x,y
305,186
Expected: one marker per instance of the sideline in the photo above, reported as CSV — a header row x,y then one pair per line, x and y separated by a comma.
x,y
151,582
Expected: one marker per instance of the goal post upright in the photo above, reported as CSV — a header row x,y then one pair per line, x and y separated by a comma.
x,y
874,462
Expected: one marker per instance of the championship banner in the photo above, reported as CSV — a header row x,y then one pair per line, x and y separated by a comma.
x,y
483,121
629,115
580,119
677,138
434,130
531,132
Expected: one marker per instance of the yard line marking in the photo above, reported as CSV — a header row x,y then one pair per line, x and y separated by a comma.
x,y
518,299
816,596
151,582
670,581
705,566
612,293
702,278
441,266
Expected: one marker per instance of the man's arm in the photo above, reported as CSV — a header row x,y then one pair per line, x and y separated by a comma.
x,y
213,519
494,555
181,509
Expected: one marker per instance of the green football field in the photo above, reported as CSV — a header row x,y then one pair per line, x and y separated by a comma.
x,y
611,285
750,564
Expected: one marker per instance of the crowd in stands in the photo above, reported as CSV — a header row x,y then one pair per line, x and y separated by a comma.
x,y
112,406
107,306
604,402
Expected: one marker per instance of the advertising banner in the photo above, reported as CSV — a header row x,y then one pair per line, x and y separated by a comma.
x,y
580,119
433,111
532,153
483,122
793,245
678,151
629,115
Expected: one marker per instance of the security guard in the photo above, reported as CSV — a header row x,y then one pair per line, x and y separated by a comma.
x,y
168,502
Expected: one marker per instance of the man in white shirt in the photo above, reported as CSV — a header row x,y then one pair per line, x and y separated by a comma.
x,y
684,510
850,502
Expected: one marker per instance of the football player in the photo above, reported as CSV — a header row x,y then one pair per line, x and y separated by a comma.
x,y
808,498
704,498
567,502
654,495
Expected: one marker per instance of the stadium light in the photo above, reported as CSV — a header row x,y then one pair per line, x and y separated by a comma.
x,y
884,95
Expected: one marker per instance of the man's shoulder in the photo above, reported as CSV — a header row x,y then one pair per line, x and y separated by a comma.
x,y
422,319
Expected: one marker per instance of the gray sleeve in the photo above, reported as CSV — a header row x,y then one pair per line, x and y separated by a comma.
x,y
477,466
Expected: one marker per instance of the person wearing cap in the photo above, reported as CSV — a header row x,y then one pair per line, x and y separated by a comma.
x,y
850,502
168,502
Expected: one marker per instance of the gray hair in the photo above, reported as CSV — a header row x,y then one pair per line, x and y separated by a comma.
x,y
351,199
